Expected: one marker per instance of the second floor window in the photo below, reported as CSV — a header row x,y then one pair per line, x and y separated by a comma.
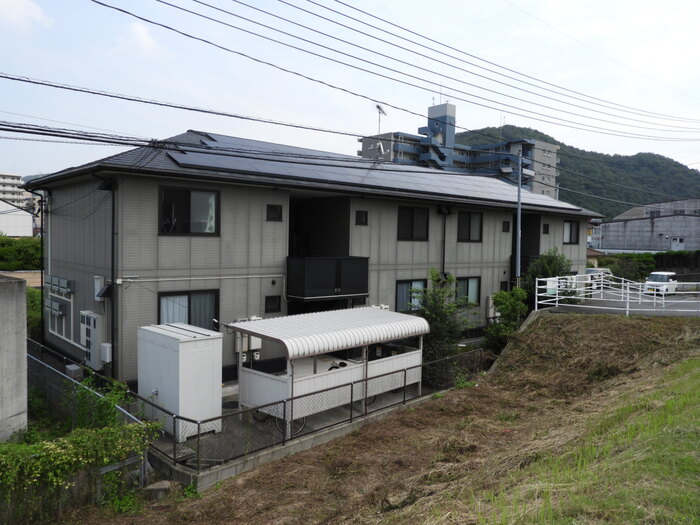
x,y
188,212
413,224
570,232
469,226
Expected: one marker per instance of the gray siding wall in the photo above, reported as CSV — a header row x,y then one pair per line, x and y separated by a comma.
x,y
241,263
576,253
392,260
77,247
490,259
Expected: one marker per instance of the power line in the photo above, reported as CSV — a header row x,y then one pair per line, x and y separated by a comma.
x,y
597,129
51,141
596,50
433,41
608,183
233,152
404,62
286,157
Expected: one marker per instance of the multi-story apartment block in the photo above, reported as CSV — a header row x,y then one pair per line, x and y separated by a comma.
x,y
11,191
435,147
215,227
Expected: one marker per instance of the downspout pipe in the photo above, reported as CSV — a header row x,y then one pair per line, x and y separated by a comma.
x,y
41,233
110,185
444,211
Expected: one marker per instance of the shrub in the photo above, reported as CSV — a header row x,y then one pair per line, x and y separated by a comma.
x,y
550,264
444,313
34,327
20,254
513,309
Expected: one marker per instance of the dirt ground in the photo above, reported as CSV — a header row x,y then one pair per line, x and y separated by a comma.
x,y
553,377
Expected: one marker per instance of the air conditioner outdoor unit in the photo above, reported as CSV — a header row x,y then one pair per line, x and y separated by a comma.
x,y
492,312
91,337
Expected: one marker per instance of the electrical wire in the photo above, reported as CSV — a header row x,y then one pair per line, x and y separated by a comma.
x,y
462,52
411,64
655,80
153,147
439,86
596,129
163,144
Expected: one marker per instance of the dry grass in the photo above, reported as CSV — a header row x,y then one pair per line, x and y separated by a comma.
x,y
429,464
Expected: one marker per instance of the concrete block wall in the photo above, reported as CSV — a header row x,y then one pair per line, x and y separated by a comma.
x,y
13,356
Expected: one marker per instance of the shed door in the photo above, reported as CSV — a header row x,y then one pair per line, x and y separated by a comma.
x,y
677,243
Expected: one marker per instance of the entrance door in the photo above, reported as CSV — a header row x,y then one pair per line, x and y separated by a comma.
x,y
677,243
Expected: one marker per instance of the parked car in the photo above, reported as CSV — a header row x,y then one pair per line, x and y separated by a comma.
x,y
597,276
661,282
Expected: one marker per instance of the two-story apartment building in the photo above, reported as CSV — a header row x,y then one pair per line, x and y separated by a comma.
x,y
208,227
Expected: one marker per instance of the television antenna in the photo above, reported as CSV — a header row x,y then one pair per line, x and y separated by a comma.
x,y
380,112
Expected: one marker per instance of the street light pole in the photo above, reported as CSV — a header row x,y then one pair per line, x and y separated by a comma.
x,y
518,219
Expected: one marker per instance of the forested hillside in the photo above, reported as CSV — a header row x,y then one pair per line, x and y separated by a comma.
x,y
597,173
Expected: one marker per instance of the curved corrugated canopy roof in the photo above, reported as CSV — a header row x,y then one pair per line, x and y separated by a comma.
x,y
317,333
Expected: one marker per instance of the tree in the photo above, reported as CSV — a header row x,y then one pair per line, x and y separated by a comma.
x,y
550,264
444,312
513,309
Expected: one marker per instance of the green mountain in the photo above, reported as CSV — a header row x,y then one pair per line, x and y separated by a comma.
x,y
657,178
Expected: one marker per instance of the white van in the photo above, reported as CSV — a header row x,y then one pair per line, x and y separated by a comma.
x,y
661,282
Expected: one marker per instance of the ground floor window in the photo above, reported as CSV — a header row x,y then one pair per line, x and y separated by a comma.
x,y
469,289
405,299
197,308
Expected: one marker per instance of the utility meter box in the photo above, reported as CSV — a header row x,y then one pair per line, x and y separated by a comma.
x,y
179,369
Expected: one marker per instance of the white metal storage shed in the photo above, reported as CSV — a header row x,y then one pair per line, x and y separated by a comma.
x,y
307,339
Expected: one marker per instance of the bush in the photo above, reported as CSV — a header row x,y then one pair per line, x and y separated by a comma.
x,y
632,266
550,264
443,311
20,254
513,309
34,327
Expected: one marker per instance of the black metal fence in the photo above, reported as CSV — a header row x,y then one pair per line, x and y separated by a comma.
x,y
242,431
56,381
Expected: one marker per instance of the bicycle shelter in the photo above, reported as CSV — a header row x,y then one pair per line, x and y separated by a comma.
x,y
364,348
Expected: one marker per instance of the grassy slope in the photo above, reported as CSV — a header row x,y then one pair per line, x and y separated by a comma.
x,y
635,460
587,419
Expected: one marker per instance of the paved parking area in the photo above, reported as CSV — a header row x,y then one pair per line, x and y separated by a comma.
x,y
615,302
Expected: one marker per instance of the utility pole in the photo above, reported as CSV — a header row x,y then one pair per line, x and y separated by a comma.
x,y
518,219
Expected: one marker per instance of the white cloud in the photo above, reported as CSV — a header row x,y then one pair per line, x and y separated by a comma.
x,y
139,40
20,16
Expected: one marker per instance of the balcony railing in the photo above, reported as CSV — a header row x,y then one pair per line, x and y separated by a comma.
x,y
314,278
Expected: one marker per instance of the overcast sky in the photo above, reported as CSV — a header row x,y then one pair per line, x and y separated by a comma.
x,y
637,58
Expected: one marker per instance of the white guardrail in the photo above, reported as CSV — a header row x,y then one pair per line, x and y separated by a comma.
x,y
607,292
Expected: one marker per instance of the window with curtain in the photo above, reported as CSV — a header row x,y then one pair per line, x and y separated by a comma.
x,y
195,308
188,212
405,299
468,288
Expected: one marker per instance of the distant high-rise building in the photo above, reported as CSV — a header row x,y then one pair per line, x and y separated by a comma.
x,y
11,192
435,147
